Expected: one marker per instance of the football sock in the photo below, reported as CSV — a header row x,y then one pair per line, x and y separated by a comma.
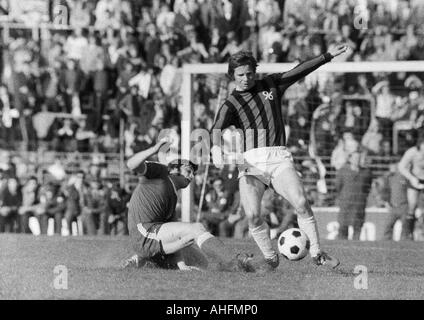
x,y
309,226
215,248
262,238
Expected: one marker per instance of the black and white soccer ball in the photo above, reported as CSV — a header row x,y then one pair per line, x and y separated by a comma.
x,y
293,244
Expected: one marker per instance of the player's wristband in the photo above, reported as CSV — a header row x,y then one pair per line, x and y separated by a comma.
x,y
328,56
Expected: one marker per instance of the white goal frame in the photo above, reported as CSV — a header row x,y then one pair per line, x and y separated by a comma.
x,y
187,97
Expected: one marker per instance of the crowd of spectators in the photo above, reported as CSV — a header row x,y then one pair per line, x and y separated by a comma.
x,y
99,206
109,71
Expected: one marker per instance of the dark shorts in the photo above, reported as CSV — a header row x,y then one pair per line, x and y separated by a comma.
x,y
144,240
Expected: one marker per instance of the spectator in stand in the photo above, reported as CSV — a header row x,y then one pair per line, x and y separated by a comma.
x,y
101,90
92,55
353,183
64,140
116,208
151,44
345,146
218,201
123,80
3,180
76,45
107,142
84,136
299,123
384,108
195,50
70,85
10,201
24,86
142,81
9,119
79,13
108,14
50,82
353,119
232,47
30,204
73,192
94,215
324,127
398,201
372,138
52,206
170,77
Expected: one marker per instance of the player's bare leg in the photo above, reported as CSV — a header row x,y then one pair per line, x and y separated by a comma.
x,y
289,185
178,235
408,222
251,192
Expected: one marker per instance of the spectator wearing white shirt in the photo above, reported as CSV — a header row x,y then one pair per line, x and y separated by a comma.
x,y
171,78
76,45
384,108
142,81
108,14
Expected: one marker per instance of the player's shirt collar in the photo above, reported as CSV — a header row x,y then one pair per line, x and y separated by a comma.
x,y
173,185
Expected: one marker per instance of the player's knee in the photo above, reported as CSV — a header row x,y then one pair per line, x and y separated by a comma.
x,y
300,205
254,221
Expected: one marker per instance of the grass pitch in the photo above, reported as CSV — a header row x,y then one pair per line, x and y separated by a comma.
x,y
395,270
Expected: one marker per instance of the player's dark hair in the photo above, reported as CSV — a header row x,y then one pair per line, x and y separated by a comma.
x,y
177,163
241,58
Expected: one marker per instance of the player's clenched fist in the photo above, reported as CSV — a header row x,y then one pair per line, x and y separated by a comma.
x,y
166,140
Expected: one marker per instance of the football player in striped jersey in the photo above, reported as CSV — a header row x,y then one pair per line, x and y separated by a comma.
x,y
254,108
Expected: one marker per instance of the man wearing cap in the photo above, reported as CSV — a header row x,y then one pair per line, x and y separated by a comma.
x,y
155,233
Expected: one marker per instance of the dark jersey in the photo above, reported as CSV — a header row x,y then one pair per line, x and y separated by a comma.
x,y
257,111
154,199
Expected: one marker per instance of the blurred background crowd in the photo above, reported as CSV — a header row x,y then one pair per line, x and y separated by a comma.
x,y
104,77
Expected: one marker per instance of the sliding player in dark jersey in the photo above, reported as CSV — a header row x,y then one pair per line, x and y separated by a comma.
x,y
254,107
155,233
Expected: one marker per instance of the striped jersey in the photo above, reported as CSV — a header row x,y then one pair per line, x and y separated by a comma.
x,y
257,112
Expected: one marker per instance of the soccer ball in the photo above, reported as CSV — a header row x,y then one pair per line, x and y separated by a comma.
x,y
293,244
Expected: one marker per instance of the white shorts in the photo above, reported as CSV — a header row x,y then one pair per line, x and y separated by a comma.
x,y
265,163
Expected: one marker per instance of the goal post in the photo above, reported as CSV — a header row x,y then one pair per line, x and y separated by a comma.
x,y
189,70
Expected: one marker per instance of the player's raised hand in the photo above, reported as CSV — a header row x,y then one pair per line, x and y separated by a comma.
x,y
338,50
167,140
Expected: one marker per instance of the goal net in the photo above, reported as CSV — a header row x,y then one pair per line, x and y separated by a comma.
x,y
379,104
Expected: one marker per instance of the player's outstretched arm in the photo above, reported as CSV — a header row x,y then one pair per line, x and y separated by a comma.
x,y
305,68
136,162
